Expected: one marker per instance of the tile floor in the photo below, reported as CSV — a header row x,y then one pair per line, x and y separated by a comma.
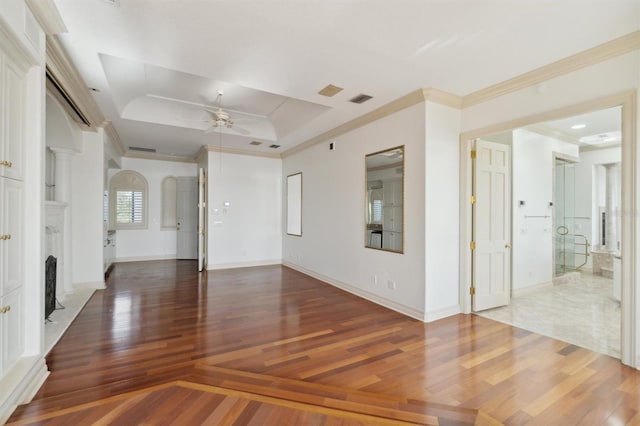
x,y
582,312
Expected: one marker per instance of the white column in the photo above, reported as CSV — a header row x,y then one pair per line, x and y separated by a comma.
x,y
62,193
611,208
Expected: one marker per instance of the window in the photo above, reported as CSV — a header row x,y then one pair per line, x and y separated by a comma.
x,y
128,196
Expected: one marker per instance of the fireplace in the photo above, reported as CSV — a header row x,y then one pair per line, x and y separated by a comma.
x,y
50,286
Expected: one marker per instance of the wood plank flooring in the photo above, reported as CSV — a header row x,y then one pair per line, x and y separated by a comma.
x,y
163,341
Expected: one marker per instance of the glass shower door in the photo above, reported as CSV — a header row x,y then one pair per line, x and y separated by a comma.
x,y
564,217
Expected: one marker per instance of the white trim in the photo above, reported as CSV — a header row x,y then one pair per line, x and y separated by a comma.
x,y
144,258
611,49
389,304
48,16
21,384
518,292
233,265
97,285
442,313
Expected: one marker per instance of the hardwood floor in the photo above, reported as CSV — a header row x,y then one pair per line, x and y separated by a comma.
x,y
269,345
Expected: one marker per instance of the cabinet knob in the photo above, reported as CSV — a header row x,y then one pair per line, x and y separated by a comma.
x,y
5,309
5,237
6,163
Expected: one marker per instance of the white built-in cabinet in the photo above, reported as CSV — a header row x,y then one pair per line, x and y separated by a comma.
x,y
392,214
12,109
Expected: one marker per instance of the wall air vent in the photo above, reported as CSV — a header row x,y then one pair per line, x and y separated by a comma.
x,y
255,143
330,90
360,99
55,88
274,146
137,148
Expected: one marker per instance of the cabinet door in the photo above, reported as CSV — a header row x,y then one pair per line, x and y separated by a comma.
x,y
13,95
11,227
11,323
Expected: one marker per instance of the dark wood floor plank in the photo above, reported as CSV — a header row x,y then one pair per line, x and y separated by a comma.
x,y
274,331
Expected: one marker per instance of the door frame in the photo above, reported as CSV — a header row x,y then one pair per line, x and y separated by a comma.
x,y
629,304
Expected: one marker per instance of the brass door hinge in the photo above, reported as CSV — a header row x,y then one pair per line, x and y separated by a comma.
x,y
472,245
472,291
473,199
473,153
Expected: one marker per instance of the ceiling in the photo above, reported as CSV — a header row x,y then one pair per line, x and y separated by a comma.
x,y
155,64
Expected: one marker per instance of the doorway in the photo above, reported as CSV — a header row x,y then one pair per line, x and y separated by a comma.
x,y
544,216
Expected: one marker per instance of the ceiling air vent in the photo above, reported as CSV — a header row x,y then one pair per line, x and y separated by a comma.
x,y
255,143
137,148
274,146
360,99
330,90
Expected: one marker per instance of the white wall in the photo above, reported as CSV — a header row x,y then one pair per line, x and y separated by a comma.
x,y
86,211
153,242
333,213
587,184
442,221
533,171
247,231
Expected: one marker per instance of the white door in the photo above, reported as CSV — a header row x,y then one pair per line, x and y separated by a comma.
x,y
491,225
187,238
202,209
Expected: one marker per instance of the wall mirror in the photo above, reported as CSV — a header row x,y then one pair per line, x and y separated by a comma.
x,y
384,217
294,204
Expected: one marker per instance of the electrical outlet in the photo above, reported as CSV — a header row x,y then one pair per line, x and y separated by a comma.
x,y
374,279
391,285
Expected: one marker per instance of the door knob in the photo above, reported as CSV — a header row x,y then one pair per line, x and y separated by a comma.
x,y
507,245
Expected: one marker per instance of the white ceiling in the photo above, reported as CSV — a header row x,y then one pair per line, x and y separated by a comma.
x,y
155,62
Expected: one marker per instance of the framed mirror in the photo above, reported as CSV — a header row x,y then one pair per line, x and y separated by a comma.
x,y
384,210
294,204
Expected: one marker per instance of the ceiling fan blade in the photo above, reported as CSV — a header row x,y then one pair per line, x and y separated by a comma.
x,y
213,113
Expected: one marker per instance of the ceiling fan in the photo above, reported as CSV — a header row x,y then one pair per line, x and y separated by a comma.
x,y
221,118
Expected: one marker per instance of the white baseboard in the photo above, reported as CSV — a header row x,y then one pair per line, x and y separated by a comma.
x,y
97,285
145,258
389,304
20,385
244,264
517,292
442,313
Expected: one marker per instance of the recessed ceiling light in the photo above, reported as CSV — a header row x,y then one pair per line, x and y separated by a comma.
x,y
578,126
256,143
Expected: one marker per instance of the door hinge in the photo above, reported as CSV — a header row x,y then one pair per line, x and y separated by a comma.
x,y
472,291
472,245
473,153
473,199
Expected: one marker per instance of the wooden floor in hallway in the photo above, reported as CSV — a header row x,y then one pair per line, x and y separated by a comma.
x,y
163,344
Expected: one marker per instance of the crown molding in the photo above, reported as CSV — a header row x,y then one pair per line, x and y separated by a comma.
x,y
115,138
443,98
47,15
211,148
155,156
406,101
543,130
68,76
619,46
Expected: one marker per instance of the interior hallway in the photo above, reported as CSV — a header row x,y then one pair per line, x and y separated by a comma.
x,y
582,312
266,345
